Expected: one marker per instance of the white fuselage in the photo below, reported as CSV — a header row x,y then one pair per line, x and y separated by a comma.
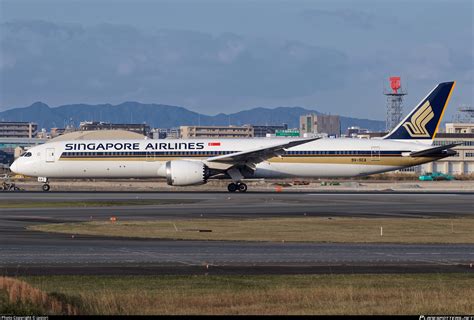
x,y
146,158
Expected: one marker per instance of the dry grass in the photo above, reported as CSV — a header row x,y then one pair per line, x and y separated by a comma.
x,y
315,294
399,176
307,229
464,177
392,176
21,296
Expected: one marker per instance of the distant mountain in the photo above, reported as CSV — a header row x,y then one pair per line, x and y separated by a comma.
x,y
164,116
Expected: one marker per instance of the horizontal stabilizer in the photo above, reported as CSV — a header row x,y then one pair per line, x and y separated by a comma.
x,y
442,150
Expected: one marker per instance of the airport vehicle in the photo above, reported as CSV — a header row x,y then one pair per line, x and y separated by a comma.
x,y
193,162
435,176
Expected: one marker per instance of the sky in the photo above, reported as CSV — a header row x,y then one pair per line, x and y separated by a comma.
x,y
226,56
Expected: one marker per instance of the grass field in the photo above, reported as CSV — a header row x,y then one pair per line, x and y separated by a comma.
x,y
304,294
19,297
305,229
95,203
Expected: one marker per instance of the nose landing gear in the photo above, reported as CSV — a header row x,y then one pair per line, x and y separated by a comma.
x,y
45,186
241,187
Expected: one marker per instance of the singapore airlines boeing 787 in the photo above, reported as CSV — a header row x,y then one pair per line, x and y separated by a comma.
x,y
193,162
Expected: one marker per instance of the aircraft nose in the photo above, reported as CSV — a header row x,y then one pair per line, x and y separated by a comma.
x,y
14,166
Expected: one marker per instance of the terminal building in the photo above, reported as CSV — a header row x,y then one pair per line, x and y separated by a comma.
x,y
319,124
190,132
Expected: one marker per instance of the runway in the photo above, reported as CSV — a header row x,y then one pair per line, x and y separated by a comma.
x,y
28,252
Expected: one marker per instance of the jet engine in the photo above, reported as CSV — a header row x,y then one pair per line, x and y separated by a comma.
x,y
186,173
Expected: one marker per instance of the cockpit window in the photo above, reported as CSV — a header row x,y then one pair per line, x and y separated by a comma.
x,y
28,154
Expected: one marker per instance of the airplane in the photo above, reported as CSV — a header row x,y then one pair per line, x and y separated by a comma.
x,y
195,161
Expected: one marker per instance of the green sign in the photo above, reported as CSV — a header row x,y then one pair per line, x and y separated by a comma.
x,y
287,133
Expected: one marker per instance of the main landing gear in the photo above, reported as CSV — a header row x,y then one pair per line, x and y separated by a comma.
x,y
236,176
233,187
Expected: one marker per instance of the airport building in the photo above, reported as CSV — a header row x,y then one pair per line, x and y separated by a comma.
x,y
263,131
18,129
459,127
320,123
165,133
189,132
54,132
356,131
140,128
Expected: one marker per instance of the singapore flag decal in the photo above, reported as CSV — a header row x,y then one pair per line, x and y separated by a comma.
x,y
214,144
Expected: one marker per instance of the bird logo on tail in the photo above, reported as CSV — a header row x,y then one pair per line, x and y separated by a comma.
x,y
416,127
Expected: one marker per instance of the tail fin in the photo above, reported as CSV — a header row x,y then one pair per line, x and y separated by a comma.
x,y
423,122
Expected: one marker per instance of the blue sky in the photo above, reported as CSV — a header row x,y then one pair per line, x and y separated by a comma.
x,y
226,56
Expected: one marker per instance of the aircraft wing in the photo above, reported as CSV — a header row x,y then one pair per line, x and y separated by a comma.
x,y
434,151
252,157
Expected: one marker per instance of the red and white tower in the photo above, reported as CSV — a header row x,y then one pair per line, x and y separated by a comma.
x,y
394,103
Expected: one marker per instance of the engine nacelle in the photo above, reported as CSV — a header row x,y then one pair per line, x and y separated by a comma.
x,y
186,173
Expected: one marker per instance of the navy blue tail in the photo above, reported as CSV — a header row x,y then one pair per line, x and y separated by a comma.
x,y
423,122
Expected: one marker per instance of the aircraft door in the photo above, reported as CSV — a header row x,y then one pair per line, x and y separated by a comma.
x,y
50,155
375,154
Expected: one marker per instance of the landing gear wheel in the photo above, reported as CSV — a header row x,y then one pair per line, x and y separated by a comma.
x,y
242,187
232,187
45,187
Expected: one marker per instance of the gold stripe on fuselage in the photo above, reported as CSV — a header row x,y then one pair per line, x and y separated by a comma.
x,y
375,161
383,160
